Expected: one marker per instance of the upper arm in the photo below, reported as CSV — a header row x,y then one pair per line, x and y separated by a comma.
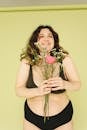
x,y
70,69
22,74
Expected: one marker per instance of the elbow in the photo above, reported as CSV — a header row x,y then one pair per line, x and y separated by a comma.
x,y
17,92
78,85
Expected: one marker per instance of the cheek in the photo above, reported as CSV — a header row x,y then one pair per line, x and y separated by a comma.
x,y
52,44
41,42
40,39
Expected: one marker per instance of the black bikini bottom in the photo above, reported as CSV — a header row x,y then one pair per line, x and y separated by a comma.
x,y
53,122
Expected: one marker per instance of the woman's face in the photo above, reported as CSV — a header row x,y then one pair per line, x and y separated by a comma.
x,y
46,39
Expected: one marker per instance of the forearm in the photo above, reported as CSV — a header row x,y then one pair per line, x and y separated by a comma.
x,y
27,92
74,85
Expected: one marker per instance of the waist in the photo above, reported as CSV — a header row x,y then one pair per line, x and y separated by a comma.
x,y
55,101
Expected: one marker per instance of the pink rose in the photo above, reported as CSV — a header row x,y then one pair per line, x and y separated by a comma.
x,y
50,59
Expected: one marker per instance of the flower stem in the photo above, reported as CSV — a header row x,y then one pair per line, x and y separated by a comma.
x,y
46,107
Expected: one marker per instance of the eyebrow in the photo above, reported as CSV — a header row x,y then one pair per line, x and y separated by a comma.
x,y
48,34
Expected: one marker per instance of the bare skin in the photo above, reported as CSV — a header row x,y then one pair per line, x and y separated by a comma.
x,y
35,97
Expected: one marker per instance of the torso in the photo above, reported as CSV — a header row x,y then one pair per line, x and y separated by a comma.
x,y
57,102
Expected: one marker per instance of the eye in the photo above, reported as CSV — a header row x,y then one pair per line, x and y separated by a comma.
x,y
50,36
40,37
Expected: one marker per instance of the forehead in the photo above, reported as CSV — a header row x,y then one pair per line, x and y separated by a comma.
x,y
45,30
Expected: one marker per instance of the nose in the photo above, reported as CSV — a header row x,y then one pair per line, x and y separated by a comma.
x,y
46,39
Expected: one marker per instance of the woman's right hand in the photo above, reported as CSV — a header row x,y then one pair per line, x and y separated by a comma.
x,y
44,88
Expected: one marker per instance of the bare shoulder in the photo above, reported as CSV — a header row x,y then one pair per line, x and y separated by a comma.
x,y
25,61
23,71
68,59
69,64
70,68
24,66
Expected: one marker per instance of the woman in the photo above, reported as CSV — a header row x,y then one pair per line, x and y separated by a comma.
x,y
31,84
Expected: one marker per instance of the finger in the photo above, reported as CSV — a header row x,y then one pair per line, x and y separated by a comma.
x,y
56,88
45,82
47,90
55,80
56,83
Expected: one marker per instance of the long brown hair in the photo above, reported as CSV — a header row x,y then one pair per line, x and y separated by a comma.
x,y
27,52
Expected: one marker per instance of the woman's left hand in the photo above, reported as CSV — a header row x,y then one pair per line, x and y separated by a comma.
x,y
56,83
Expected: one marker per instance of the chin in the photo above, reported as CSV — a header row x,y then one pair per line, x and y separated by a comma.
x,y
49,49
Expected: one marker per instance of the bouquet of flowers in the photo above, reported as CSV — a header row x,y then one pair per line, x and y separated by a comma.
x,y
48,62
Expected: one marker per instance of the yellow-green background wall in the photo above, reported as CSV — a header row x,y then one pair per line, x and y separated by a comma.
x,y
16,25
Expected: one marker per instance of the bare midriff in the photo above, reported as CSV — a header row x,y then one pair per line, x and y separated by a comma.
x,y
57,102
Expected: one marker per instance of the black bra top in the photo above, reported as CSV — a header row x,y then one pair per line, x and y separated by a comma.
x,y
30,82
